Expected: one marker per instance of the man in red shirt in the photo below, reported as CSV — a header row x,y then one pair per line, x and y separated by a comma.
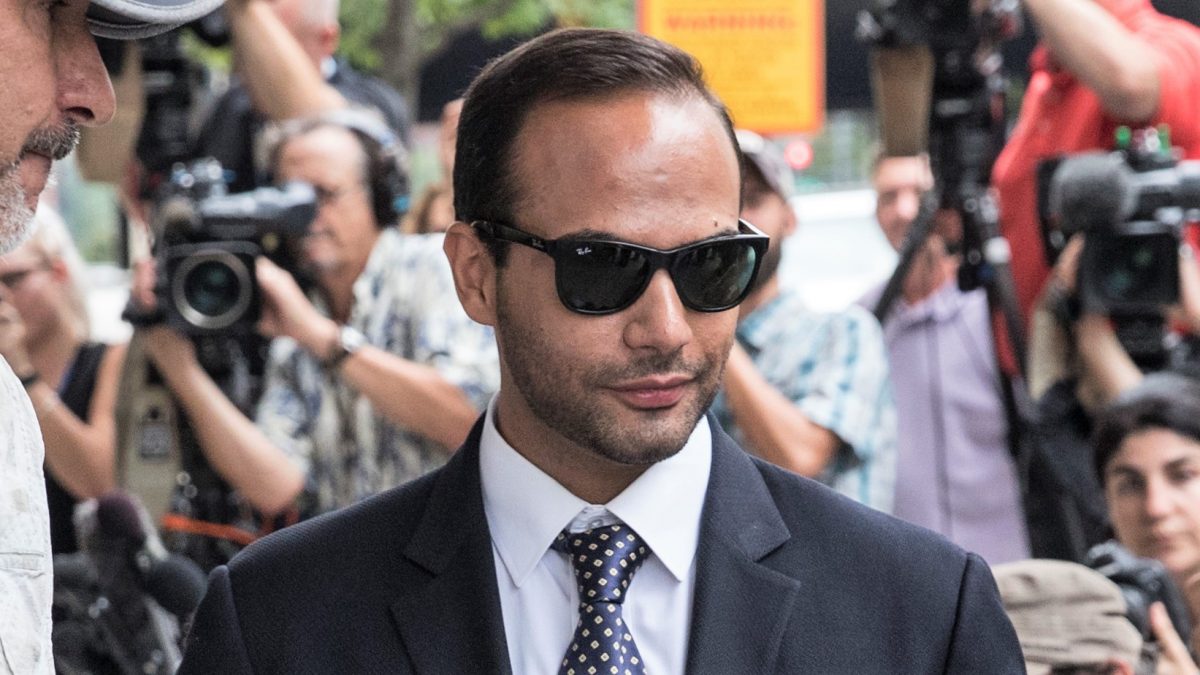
x,y
1100,64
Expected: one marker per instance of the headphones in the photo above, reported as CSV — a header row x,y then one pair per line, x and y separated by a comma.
x,y
387,159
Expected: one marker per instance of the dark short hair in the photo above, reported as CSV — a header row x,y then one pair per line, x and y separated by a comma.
x,y
1163,400
562,65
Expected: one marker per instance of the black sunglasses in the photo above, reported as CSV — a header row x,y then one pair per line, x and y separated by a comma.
x,y
598,276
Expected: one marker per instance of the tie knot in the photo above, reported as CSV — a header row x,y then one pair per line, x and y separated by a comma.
x,y
604,560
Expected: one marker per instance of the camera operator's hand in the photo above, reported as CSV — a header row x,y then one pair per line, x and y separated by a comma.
x,y
1173,656
12,340
167,347
142,286
286,311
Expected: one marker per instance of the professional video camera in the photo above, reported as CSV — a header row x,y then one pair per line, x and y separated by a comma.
x,y
1133,204
210,240
1142,582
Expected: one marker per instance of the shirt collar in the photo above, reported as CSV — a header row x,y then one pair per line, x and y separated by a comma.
x,y
526,508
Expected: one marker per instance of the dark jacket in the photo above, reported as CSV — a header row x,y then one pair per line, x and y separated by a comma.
x,y
791,578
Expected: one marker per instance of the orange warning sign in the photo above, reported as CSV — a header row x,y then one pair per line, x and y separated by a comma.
x,y
764,58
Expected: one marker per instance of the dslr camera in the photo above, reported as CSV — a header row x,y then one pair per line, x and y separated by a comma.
x,y
209,241
1133,204
1142,582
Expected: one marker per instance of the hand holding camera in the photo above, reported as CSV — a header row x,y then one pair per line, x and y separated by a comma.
x,y
286,311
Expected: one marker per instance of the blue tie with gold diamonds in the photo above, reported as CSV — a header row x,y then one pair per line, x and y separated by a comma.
x,y
604,560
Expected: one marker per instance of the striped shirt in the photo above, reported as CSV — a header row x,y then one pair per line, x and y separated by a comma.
x,y
834,367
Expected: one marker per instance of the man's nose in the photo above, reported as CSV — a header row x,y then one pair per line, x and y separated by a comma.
x,y
659,320
1159,501
85,93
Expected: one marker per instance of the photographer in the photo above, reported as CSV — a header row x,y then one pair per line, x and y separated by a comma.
x,y
1147,452
375,376
1100,64
955,472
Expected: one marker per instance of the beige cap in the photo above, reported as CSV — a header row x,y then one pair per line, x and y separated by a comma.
x,y
1066,615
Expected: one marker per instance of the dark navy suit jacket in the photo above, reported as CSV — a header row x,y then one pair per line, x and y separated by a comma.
x,y
791,578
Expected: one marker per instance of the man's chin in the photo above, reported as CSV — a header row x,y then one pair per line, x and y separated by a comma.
x,y
16,214
648,436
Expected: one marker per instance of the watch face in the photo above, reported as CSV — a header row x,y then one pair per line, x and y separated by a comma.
x,y
351,339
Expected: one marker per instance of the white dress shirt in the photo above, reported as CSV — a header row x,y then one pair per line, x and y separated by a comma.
x,y
25,566
526,509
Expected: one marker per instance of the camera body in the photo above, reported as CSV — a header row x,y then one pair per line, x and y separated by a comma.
x,y
210,240
1142,582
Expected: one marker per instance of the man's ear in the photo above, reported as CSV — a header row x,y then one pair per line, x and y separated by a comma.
x,y
474,272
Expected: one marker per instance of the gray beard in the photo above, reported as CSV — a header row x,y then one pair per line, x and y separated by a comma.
x,y
16,220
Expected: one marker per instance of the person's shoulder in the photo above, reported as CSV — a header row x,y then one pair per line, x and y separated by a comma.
x,y
316,551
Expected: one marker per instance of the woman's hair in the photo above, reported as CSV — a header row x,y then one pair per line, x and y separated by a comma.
x,y
1163,400
52,241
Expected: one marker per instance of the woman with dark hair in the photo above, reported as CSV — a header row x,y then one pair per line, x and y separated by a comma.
x,y
1147,445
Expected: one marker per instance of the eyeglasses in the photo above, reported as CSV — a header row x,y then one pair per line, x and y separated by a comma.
x,y
327,196
597,276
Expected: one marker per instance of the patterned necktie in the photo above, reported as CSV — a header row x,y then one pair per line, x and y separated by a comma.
x,y
604,560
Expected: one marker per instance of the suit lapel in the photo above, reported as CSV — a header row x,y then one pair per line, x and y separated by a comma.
x,y
452,623
741,606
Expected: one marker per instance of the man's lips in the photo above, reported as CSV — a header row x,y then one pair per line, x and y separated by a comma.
x,y
651,393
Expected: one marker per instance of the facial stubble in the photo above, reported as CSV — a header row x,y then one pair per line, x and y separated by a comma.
x,y
562,393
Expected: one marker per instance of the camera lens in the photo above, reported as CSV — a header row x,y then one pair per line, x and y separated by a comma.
x,y
1133,270
213,289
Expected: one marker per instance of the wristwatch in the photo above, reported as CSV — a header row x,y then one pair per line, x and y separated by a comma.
x,y
349,341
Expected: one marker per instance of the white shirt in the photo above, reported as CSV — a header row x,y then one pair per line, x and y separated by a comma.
x,y
526,509
26,574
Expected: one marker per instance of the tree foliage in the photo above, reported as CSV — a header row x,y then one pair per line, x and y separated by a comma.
x,y
366,30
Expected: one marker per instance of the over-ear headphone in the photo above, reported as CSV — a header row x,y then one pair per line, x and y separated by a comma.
x,y
387,162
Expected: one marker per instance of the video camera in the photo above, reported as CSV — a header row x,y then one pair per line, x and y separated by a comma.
x,y
1133,205
209,241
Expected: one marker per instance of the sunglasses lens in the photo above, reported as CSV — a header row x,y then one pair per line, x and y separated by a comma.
x,y
597,277
714,276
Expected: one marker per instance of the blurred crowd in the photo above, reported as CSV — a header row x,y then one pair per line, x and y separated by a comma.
x,y
351,367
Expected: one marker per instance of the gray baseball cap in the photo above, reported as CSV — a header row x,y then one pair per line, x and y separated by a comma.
x,y
133,19
769,161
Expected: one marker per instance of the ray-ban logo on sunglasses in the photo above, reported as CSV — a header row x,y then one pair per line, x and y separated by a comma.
x,y
583,250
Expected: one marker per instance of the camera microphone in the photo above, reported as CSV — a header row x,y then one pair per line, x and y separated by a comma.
x,y
173,581
1092,191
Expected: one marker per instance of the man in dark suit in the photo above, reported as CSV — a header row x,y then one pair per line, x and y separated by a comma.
x,y
597,186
